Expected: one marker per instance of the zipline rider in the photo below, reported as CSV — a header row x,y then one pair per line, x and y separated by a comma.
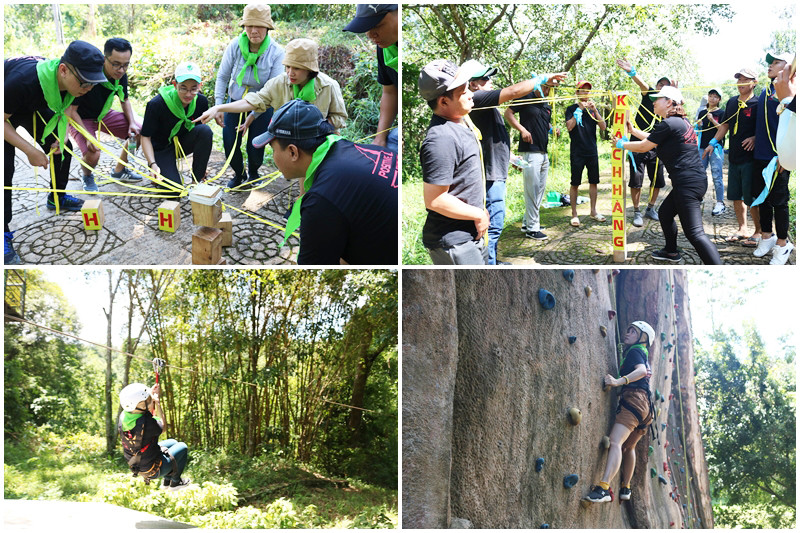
x,y
38,93
140,424
634,412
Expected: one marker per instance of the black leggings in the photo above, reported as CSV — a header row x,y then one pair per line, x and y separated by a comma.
x,y
684,201
777,201
61,162
197,141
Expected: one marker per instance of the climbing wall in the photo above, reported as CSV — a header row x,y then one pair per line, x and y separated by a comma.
x,y
531,346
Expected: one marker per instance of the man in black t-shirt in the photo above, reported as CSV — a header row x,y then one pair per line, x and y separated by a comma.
x,y
94,108
495,142
452,172
645,120
740,119
534,128
349,210
37,94
380,21
582,121
168,119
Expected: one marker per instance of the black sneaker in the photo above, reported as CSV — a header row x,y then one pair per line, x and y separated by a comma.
x,y
65,203
538,235
166,483
661,255
178,485
236,181
599,495
625,493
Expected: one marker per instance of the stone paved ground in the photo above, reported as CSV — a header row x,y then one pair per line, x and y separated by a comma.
x,y
590,243
130,235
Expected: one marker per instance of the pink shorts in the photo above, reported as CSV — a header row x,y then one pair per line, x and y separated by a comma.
x,y
114,122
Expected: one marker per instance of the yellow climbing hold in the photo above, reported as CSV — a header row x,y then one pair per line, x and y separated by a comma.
x,y
575,416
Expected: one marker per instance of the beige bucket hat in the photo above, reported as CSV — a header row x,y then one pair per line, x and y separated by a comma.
x,y
258,15
301,53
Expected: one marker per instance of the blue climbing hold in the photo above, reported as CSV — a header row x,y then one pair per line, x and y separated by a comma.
x,y
539,464
569,275
684,505
663,426
662,480
572,340
547,300
683,471
570,480
545,526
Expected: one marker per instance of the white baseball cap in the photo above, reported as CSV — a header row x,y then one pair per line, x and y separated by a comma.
x,y
188,71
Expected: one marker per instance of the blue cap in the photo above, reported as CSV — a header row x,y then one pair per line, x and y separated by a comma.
x,y
294,120
368,16
87,59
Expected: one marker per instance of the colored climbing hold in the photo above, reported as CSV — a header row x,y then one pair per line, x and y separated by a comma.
x,y
663,426
662,480
539,464
614,271
653,473
588,290
666,315
676,306
683,471
658,394
665,466
545,526
606,442
611,314
650,450
568,274
671,524
675,463
596,270
663,336
574,416
572,339
603,331
662,399
570,480
684,505
546,299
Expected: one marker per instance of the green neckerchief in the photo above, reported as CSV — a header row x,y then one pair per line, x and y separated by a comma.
x,y
319,155
307,93
250,58
129,420
170,96
116,90
47,72
390,57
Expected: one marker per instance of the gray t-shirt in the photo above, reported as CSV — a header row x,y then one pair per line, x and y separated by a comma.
x,y
450,155
269,65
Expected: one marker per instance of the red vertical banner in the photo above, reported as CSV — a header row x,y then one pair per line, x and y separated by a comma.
x,y
621,106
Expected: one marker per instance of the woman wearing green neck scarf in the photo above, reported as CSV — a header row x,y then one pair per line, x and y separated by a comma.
x,y
251,59
301,79
168,121
37,94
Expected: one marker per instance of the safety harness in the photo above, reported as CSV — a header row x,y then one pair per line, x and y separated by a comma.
x,y
628,406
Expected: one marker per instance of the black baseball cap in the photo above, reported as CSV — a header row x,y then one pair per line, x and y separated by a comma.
x,y
87,60
368,16
294,120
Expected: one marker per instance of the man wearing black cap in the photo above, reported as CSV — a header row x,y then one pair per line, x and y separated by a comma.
x,y
37,95
349,209
379,21
645,120
495,143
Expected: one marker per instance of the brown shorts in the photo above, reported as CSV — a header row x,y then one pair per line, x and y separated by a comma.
x,y
636,398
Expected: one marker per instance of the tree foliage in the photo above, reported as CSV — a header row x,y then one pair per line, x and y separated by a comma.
x,y
746,399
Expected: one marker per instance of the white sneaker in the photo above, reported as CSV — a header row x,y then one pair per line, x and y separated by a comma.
x,y
718,209
765,246
780,254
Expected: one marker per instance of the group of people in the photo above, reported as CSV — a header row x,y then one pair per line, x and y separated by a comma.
x,y
466,154
350,216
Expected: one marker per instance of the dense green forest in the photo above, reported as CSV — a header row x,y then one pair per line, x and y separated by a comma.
x,y
162,35
746,397
582,39
282,383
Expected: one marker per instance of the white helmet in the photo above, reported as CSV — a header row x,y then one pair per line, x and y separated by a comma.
x,y
130,396
644,327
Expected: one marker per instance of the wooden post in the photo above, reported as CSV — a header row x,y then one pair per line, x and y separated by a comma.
x,y
226,225
621,106
206,246
92,214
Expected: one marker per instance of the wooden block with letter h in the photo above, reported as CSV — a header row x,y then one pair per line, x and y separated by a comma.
x,y
169,216
92,214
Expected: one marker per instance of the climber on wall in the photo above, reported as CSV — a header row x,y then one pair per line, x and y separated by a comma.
x,y
634,413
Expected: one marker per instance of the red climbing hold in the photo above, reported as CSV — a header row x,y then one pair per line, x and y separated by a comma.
x,y
671,524
665,466
611,314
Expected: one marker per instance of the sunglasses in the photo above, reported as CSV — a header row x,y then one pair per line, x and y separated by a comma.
x,y
83,84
